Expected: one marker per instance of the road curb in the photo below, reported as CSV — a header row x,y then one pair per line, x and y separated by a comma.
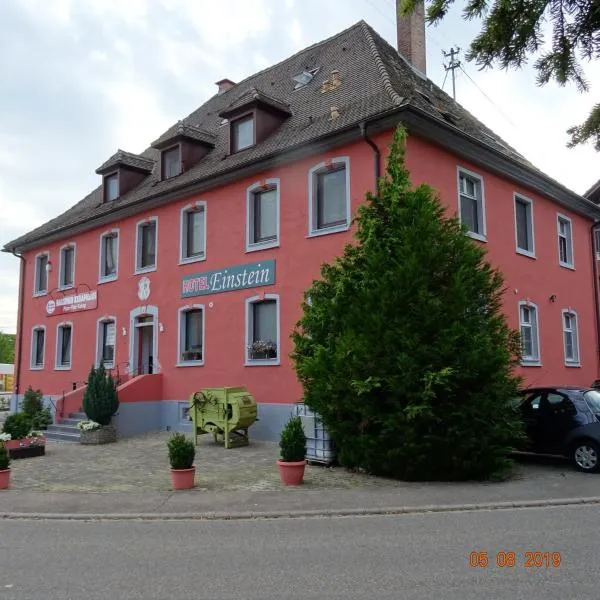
x,y
300,514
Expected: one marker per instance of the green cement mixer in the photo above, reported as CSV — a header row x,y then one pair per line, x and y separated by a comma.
x,y
227,413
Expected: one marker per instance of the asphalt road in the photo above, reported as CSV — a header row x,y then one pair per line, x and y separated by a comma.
x,y
412,556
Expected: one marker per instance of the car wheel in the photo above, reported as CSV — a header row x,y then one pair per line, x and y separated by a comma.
x,y
586,456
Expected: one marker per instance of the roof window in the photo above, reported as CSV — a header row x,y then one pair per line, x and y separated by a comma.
x,y
305,77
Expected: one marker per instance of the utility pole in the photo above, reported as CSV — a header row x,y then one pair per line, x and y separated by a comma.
x,y
452,66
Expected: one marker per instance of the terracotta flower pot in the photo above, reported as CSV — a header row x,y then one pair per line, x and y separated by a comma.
x,y
4,479
292,473
183,479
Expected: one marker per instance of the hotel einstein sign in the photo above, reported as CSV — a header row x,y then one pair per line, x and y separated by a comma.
x,y
229,279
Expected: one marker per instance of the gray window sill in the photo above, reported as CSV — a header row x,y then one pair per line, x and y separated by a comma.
x,y
62,368
144,270
328,230
107,279
190,363
36,368
526,253
267,362
262,246
192,259
570,266
573,365
531,363
40,294
477,236
66,287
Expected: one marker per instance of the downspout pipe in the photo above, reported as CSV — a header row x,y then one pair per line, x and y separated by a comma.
x,y
595,227
376,153
20,323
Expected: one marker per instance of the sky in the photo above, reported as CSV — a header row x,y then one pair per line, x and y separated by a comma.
x,y
81,78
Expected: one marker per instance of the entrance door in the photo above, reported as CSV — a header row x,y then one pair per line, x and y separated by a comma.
x,y
144,328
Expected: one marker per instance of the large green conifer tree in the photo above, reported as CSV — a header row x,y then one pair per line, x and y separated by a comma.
x,y
403,349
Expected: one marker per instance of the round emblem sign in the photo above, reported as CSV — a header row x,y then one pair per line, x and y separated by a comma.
x,y
144,288
50,306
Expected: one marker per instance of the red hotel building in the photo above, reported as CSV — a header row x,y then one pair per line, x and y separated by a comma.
x,y
186,267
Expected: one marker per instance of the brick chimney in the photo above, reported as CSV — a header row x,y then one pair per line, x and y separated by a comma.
x,y
224,85
411,35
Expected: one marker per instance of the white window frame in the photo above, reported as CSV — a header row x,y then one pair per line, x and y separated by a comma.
x,y
32,365
523,199
248,307
61,265
99,340
181,333
37,292
198,205
57,365
561,217
107,278
576,362
312,221
482,237
250,191
138,246
533,361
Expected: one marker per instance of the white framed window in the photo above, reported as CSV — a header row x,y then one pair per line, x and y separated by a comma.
x,y
191,336
329,197
106,337
40,276
471,204
570,327
193,233
565,241
64,346
66,270
597,243
109,256
146,245
243,135
262,330
111,187
38,347
171,162
524,232
530,337
262,215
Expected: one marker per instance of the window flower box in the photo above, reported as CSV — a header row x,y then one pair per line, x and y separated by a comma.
x,y
191,355
262,350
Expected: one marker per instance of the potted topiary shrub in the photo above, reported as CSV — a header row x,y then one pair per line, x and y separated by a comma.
x,y
181,457
100,403
4,468
293,452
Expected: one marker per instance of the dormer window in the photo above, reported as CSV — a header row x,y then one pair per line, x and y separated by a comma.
x,y
243,133
171,162
111,187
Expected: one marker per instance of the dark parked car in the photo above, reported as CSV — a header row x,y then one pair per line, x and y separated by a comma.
x,y
564,421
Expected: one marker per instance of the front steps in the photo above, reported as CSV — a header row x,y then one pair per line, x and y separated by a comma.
x,y
66,430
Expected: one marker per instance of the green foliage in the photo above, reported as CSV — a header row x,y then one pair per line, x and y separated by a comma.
x,y
18,425
42,419
181,452
4,457
32,402
512,32
100,399
403,349
293,441
7,348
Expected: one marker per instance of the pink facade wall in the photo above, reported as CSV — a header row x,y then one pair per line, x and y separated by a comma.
x,y
297,263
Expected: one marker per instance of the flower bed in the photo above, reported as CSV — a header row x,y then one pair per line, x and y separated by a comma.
x,y
26,447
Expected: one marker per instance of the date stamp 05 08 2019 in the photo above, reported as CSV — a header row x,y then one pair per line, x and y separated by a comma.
x,y
528,560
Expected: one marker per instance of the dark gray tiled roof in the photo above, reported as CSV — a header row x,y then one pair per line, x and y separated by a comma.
x,y
375,80
126,159
183,130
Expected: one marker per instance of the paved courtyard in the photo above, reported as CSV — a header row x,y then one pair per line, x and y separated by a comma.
x,y
140,464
